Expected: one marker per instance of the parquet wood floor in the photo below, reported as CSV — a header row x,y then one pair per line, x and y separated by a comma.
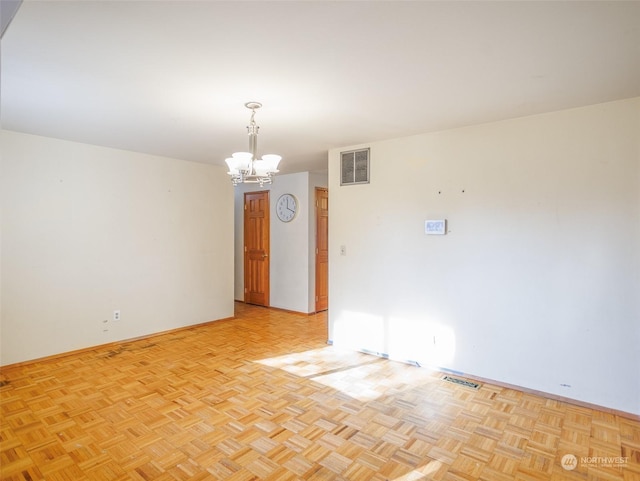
x,y
262,397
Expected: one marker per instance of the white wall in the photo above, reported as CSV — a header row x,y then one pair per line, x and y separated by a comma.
x,y
292,274
537,282
87,230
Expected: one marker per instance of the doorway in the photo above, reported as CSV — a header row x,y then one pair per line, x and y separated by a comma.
x,y
256,248
322,249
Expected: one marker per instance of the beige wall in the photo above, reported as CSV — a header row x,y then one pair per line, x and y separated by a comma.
x,y
87,230
537,282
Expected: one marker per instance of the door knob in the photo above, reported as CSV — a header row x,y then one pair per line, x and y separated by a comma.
x,y
265,255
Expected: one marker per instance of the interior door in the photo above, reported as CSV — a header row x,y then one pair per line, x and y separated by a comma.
x,y
256,248
322,249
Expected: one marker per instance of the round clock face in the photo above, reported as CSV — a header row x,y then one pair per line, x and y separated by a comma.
x,y
286,207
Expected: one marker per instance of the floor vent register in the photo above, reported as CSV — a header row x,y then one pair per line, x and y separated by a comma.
x,y
461,382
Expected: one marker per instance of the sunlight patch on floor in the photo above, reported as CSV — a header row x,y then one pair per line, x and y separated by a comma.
x,y
361,376
428,469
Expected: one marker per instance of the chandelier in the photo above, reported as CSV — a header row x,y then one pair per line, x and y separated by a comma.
x,y
244,167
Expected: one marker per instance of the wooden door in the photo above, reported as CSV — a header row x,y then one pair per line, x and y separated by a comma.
x,y
322,249
256,248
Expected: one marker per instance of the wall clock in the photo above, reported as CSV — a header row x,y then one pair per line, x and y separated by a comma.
x,y
286,207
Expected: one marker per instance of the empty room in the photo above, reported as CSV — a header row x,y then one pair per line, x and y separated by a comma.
x,y
319,240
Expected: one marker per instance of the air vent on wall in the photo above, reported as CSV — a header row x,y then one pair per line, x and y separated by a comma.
x,y
354,167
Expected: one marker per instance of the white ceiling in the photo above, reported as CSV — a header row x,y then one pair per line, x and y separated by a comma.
x,y
171,77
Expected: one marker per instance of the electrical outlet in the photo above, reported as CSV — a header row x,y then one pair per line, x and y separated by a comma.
x,y
116,315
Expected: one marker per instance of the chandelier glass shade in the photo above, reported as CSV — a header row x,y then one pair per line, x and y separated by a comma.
x,y
245,167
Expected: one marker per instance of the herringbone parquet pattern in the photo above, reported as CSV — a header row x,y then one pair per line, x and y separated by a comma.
x,y
262,397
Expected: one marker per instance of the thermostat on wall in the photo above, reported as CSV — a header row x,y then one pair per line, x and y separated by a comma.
x,y
435,227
